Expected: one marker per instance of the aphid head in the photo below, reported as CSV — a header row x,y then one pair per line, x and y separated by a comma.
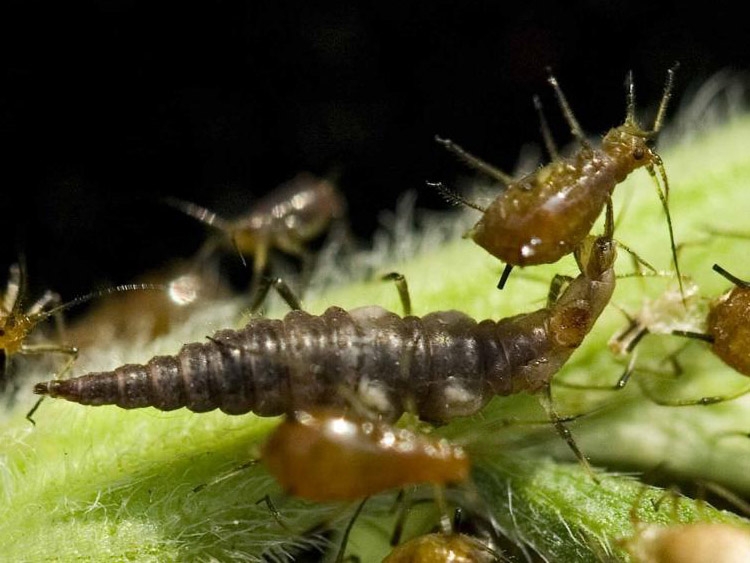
x,y
14,328
630,144
631,147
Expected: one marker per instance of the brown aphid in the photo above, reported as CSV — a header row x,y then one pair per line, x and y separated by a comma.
x,y
17,324
727,332
286,219
145,315
440,547
728,324
545,215
699,542
695,542
325,456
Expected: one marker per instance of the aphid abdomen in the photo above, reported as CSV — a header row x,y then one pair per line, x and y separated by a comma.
x,y
728,323
544,216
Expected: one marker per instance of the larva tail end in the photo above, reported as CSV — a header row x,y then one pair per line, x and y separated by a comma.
x,y
47,388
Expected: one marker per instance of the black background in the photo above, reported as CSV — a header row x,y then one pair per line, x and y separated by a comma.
x,y
107,105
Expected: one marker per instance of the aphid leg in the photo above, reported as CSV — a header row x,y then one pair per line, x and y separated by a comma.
x,y
403,504
664,198
575,128
705,401
260,261
504,276
637,259
348,530
281,287
475,162
564,431
454,198
266,499
549,142
228,475
402,288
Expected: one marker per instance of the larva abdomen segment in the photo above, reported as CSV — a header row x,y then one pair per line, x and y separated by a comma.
x,y
442,365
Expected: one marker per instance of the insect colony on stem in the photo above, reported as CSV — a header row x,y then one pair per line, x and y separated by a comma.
x,y
440,366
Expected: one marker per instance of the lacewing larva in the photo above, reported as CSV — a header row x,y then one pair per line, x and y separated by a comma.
x,y
440,366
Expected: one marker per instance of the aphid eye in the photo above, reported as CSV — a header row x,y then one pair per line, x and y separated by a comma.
x,y
638,154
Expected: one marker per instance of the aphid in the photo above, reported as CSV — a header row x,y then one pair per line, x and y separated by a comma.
x,y
440,366
439,547
145,315
17,325
728,324
325,456
546,214
696,542
727,330
286,219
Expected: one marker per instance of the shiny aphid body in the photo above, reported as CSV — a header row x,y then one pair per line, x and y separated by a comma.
x,y
545,215
441,547
17,324
439,366
286,219
693,542
325,456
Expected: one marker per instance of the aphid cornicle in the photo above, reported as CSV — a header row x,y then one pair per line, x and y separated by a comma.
x,y
545,215
286,219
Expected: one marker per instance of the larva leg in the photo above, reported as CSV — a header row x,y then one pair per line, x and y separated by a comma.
x,y
286,293
564,431
402,288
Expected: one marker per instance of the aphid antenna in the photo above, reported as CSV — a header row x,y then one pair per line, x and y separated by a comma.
x,y
575,127
657,162
454,198
475,162
549,142
205,216
16,287
42,315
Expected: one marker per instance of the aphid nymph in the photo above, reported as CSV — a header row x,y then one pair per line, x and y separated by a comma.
x,y
546,214
286,219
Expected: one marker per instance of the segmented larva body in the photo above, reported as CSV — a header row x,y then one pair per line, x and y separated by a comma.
x,y
445,361
442,365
